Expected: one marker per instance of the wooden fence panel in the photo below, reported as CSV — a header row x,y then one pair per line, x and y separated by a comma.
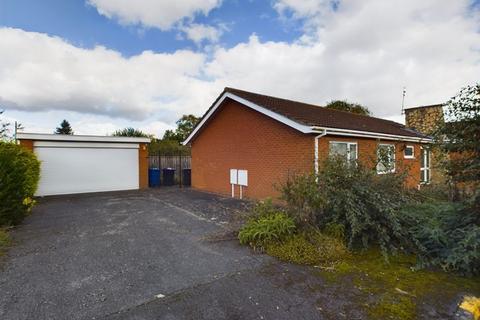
x,y
176,162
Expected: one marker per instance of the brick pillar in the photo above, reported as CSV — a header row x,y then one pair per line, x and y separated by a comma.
x,y
26,144
143,165
424,119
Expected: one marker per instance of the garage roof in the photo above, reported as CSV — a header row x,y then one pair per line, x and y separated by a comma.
x,y
79,138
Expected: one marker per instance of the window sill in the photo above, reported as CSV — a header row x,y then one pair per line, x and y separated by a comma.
x,y
385,172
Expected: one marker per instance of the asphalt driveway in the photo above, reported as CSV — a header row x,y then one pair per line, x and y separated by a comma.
x,y
143,255
160,254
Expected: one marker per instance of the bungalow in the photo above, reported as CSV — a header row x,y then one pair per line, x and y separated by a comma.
x,y
246,144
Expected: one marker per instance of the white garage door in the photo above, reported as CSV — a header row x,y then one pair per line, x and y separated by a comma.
x,y
77,167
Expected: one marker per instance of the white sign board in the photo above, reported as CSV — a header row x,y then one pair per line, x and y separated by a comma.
x,y
243,177
233,176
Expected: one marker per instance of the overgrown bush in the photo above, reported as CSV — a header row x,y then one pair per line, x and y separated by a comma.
x,y
19,175
264,208
446,235
273,227
364,203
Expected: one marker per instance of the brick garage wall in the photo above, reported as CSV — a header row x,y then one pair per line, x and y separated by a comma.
x,y
27,144
367,154
240,138
143,166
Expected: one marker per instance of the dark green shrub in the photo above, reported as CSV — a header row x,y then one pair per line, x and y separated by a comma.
x,y
264,208
445,234
335,230
19,175
364,203
304,200
273,227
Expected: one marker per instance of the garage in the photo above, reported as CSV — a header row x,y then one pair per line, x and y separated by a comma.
x,y
79,164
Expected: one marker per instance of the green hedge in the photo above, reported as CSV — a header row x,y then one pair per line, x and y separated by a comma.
x,y
19,175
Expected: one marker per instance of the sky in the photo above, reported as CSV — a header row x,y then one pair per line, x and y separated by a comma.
x,y
108,64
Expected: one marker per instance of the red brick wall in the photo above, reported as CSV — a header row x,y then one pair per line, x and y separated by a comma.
x,y
238,137
241,138
367,154
143,165
27,144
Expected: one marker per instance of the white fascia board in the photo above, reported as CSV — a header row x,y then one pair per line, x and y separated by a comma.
x,y
88,145
298,126
79,138
366,134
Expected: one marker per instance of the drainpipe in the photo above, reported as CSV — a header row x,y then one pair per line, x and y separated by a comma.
x,y
324,133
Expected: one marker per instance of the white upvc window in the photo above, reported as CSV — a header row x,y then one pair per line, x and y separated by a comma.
x,y
425,166
409,152
386,158
348,150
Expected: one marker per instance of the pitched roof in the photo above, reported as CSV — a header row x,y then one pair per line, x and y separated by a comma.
x,y
309,118
312,115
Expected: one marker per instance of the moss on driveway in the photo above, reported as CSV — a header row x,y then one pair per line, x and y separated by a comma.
x,y
395,290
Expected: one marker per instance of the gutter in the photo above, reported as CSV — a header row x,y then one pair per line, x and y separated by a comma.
x,y
366,134
324,133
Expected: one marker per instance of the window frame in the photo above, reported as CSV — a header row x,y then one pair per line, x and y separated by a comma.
x,y
425,168
413,152
394,158
348,143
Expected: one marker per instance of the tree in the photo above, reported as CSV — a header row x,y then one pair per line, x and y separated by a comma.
x,y
3,127
185,126
131,132
167,148
64,128
344,105
459,136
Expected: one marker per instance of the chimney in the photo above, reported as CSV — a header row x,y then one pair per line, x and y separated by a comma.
x,y
424,119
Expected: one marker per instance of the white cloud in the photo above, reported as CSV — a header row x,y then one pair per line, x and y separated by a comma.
x,y
162,14
366,52
38,73
362,51
199,33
